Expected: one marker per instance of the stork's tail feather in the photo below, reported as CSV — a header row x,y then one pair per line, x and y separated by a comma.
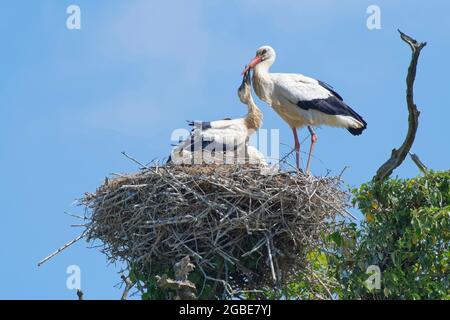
x,y
356,131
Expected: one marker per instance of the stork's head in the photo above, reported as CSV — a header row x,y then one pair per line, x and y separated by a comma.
x,y
265,54
245,89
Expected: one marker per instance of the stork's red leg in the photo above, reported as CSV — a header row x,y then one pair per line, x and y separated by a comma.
x,y
311,148
297,148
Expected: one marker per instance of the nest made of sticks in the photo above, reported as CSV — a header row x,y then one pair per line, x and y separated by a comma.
x,y
242,228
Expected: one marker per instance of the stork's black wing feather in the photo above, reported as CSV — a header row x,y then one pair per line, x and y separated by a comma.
x,y
330,88
202,125
334,106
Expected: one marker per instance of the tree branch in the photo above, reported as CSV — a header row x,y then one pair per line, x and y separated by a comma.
x,y
418,162
398,156
143,166
128,286
68,244
185,289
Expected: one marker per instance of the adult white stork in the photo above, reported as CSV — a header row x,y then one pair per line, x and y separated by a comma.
x,y
300,100
224,137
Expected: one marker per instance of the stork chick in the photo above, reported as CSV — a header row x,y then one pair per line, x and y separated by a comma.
x,y
222,136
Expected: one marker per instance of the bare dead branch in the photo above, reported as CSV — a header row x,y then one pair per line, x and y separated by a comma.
x,y
68,244
128,286
419,163
185,289
399,155
272,269
143,166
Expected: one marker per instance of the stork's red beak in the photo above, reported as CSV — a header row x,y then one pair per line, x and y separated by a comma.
x,y
252,64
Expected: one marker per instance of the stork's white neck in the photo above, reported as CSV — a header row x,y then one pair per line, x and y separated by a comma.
x,y
262,82
264,66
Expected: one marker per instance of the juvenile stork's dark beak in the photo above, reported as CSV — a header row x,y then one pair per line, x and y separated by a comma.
x,y
245,80
257,59
248,78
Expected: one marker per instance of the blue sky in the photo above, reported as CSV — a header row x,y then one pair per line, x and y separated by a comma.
x,y
71,101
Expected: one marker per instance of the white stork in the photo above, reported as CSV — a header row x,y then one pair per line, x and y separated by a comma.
x,y
222,136
300,100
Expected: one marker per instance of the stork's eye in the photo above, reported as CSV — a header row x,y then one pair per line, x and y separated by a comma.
x,y
264,51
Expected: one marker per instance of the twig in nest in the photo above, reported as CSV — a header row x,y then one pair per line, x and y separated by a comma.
x,y
398,156
269,252
128,286
75,215
342,172
143,166
68,244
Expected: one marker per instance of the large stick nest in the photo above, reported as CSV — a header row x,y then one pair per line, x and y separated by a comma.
x,y
242,228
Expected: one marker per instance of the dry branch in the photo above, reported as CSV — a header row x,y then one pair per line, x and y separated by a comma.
x,y
185,289
398,156
64,247
128,286
415,158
